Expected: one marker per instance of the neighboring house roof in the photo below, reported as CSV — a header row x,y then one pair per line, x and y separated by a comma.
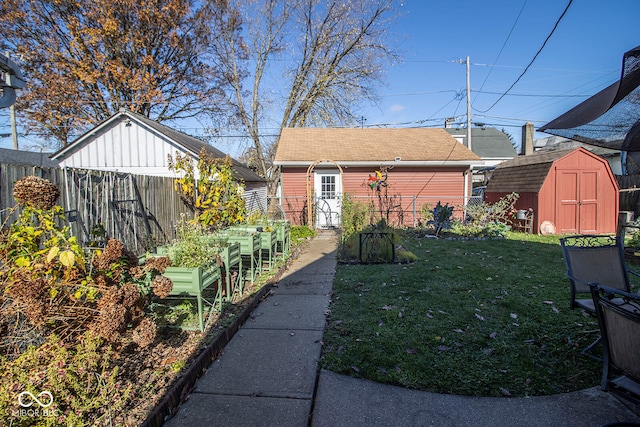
x,y
28,158
561,143
189,143
300,146
542,143
525,174
486,142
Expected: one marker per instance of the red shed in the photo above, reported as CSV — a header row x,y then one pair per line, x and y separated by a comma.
x,y
570,191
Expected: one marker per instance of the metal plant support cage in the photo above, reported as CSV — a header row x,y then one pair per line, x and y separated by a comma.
x,y
377,247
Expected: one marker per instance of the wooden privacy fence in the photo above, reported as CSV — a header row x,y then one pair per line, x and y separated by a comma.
x,y
141,211
629,193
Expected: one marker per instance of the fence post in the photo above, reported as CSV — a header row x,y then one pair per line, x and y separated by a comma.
x,y
415,217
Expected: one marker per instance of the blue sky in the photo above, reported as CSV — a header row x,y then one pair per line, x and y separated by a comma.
x,y
501,37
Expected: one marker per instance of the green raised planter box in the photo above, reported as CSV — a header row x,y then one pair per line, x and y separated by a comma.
x,y
268,241
249,247
232,262
283,230
192,281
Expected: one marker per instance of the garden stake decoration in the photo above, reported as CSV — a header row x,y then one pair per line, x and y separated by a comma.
x,y
379,179
386,204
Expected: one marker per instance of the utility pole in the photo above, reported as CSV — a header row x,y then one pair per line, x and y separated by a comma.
x,y
13,80
14,129
468,106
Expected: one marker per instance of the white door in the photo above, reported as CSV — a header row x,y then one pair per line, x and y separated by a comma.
x,y
328,192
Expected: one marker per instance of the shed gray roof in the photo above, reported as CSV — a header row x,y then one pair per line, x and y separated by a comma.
x,y
188,142
486,142
28,158
524,174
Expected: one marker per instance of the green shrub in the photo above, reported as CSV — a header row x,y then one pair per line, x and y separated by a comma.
x,y
465,230
490,229
634,241
404,256
301,232
495,229
215,196
426,214
82,383
188,250
484,213
355,216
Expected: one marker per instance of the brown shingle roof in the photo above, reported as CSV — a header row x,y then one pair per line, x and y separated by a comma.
x,y
369,145
524,174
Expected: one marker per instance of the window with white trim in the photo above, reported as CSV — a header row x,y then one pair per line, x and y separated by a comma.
x,y
328,187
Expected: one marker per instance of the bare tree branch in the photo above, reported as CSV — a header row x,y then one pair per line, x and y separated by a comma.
x,y
325,55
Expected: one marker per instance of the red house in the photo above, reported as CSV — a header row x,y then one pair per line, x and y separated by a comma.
x,y
412,166
570,191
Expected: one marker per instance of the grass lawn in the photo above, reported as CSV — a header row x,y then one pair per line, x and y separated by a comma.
x,y
470,317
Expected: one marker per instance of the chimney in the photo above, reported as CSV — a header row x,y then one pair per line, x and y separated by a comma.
x,y
448,122
526,147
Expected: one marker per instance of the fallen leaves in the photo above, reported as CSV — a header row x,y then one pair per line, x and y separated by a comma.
x,y
505,392
553,307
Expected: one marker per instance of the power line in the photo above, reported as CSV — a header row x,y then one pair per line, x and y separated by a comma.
x,y
532,61
503,45
418,93
535,95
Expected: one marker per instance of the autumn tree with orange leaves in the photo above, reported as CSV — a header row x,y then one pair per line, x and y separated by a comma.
x,y
86,59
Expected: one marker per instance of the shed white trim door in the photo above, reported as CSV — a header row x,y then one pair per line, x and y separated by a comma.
x,y
577,201
328,197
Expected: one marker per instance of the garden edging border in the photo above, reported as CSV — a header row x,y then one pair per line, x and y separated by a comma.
x,y
184,384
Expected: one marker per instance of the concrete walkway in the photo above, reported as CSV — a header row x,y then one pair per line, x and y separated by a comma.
x,y
267,375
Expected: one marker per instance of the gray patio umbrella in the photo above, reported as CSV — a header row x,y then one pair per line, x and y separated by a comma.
x,y
610,118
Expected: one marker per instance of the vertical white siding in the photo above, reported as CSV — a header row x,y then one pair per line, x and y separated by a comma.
x,y
131,149
255,197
